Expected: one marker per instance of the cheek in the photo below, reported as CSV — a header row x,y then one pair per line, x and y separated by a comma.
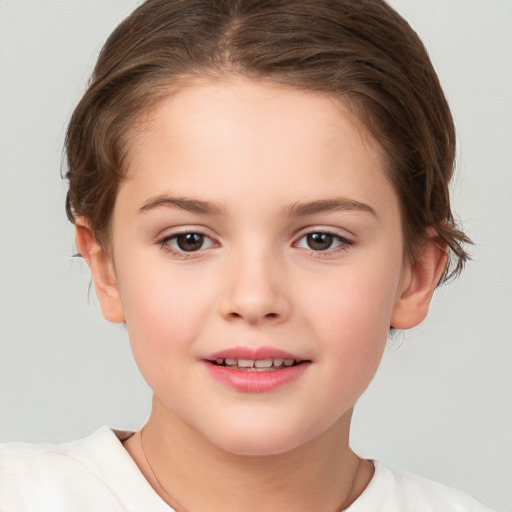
x,y
355,302
350,314
165,309
353,335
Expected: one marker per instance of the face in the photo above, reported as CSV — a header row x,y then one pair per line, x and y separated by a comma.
x,y
258,257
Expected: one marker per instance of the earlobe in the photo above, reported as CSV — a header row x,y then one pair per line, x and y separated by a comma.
x,y
102,270
419,282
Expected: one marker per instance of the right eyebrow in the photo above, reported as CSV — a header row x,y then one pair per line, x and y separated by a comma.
x,y
183,203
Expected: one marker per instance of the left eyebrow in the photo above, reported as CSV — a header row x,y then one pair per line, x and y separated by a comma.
x,y
329,205
181,203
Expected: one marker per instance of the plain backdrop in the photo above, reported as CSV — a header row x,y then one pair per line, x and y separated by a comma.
x,y
441,404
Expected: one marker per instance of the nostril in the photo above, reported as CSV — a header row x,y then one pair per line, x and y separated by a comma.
x,y
236,316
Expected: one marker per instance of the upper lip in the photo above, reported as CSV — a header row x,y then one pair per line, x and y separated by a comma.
x,y
252,353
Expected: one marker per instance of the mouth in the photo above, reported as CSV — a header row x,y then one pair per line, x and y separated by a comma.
x,y
256,365
256,370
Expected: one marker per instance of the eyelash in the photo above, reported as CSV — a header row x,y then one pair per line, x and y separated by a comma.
x,y
165,243
343,243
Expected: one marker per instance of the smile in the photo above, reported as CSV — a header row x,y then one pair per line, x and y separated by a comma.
x,y
255,365
255,370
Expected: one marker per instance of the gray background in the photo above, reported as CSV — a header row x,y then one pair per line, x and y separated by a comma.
x,y
441,404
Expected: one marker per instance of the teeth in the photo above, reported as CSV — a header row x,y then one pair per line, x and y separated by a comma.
x,y
263,363
255,364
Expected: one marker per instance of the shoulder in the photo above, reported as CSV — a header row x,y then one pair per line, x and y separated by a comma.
x,y
52,475
95,471
391,491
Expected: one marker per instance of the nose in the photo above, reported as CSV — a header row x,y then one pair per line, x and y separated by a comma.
x,y
255,290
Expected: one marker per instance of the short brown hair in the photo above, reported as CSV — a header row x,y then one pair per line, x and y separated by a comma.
x,y
358,50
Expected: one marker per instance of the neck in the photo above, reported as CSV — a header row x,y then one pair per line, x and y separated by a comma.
x,y
323,474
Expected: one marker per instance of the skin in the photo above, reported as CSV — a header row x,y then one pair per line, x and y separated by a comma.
x,y
254,151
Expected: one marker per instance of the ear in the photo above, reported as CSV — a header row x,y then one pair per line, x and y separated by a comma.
x,y
102,270
419,282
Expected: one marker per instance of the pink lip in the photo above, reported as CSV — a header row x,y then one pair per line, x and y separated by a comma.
x,y
253,381
252,353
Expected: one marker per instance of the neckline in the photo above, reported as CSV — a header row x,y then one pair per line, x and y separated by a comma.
x,y
123,435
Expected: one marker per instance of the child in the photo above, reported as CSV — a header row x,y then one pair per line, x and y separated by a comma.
x,y
260,189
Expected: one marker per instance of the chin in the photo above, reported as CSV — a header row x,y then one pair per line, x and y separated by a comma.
x,y
250,447
259,439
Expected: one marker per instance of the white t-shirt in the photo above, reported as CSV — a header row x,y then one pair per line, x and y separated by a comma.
x,y
97,474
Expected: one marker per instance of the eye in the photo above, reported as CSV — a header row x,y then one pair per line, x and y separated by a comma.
x,y
321,241
187,242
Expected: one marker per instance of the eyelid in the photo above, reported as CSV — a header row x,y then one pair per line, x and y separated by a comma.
x,y
329,230
346,241
184,229
163,241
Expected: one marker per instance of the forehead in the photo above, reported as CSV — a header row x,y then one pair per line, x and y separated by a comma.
x,y
257,140
217,105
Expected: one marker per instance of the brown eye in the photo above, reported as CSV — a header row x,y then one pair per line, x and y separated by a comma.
x,y
319,241
179,245
190,242
323,242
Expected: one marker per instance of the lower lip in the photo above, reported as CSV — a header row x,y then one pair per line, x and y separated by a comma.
x,y
256,381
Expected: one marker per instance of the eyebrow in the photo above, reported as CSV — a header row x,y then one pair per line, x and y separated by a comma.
x,y
183,203
298,209
329,205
